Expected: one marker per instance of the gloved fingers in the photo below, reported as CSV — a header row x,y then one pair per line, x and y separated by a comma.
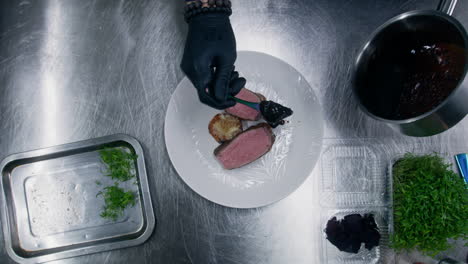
x,y
201,77
210,101
236,85
221,82
234,75
196,67
202,80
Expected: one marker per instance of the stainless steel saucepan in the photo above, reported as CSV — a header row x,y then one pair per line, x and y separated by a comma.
x,y
378,86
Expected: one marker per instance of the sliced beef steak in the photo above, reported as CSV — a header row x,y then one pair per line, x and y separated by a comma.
x,y
246,147
243,111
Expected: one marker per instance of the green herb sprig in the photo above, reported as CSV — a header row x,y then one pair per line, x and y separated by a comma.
x,y
430,204
120,164
116,199
120,167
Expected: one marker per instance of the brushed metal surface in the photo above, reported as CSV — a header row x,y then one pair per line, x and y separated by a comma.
x,y
73,70
51,208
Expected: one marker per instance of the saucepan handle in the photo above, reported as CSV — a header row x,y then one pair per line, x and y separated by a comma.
x,y
447,6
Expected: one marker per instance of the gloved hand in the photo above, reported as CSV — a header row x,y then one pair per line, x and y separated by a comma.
x,y
236,84
209,56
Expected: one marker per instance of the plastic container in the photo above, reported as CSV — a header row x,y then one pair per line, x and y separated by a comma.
x,y
353,175
380,254
354,180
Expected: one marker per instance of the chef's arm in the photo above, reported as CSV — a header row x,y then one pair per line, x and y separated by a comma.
x,y
210,52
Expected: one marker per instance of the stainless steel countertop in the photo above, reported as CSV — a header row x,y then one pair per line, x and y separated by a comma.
x,y
73,70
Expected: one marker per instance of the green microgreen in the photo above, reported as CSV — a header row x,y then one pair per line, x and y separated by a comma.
x,y
120,164
430,204
121,168
116,200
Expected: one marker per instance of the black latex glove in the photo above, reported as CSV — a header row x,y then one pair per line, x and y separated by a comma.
x,y
209,56
236,83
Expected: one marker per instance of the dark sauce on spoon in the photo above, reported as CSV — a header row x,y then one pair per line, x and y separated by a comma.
x,y
274,113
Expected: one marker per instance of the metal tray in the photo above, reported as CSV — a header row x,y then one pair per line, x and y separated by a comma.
x,y
49,205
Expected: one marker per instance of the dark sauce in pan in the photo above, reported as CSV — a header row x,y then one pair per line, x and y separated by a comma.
x,y
433,72
411,75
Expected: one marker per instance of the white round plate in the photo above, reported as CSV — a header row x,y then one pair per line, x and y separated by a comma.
x,y
273,176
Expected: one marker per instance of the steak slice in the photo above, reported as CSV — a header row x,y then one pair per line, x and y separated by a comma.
x,y
246,147
261,97
243,111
